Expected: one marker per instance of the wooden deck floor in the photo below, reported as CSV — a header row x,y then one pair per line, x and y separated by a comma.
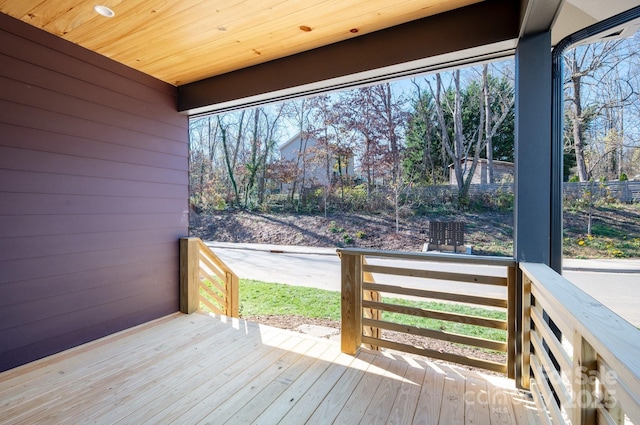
x,y
200,369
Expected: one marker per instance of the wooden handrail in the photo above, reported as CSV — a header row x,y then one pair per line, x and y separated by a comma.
x,y
206,281
580,359
437,258
362,314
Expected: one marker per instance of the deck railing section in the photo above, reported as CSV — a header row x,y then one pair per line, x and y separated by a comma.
x,y
206,282
362,303
580,360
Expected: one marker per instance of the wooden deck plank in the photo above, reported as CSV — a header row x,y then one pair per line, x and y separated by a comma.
x,y
49,366
244,396
379,408
500,409
194,405
273,389
430,400
197,368
108,366
131,383
177,378
288,399
344,374
476,402
332,403
452,408
361,396
404,406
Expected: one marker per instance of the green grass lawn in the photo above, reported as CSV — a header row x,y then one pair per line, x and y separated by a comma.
x,y
261,298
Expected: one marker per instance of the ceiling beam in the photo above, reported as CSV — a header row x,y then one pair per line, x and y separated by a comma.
x,y
478,31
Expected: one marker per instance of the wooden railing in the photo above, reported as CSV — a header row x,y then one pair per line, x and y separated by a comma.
x,y
362,303
580,360
206,283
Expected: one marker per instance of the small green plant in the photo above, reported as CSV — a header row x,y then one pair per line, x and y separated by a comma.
x,y
360,234
334,228
347,238
624,177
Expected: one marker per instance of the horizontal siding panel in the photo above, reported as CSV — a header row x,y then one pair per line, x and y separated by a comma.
x,y
42,309
25,291
28,160
42,246
36,225
56,55
25,72
56,124
44,204
13,338
93,195
33,139
36,268
18,181
36,97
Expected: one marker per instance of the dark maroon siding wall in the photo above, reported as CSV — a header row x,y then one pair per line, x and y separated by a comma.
x,y
93,195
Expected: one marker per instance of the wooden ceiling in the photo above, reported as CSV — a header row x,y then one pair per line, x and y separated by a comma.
x,y
181,41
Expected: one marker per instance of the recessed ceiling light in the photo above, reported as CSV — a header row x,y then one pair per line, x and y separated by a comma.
x,y
104,11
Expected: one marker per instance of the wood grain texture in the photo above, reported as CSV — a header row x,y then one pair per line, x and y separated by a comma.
x,y
201,368
174,41
93,194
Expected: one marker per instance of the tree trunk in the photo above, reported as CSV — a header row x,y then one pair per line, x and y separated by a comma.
x,y
576,118
228,162
487,124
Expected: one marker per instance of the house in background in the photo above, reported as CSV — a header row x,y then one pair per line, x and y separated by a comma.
x,y
502,171
310,159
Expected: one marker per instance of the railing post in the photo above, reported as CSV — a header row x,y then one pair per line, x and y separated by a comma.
x,y
189,275
233,297
525,357
511,321
371,313
351,302
585,361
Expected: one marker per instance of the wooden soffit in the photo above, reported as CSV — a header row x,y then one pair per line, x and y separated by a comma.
x,y
182,41
479,32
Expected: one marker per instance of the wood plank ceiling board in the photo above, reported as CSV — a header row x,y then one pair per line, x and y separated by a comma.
x,y
183,41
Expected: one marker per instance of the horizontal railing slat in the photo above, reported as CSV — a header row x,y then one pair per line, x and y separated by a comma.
x,y
439,315
562,323
206,251
217,298
447,296
211,306
454,358
539,401
435,334
545,361
206,261
430,274
543,330
216,284
550,404
437,258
